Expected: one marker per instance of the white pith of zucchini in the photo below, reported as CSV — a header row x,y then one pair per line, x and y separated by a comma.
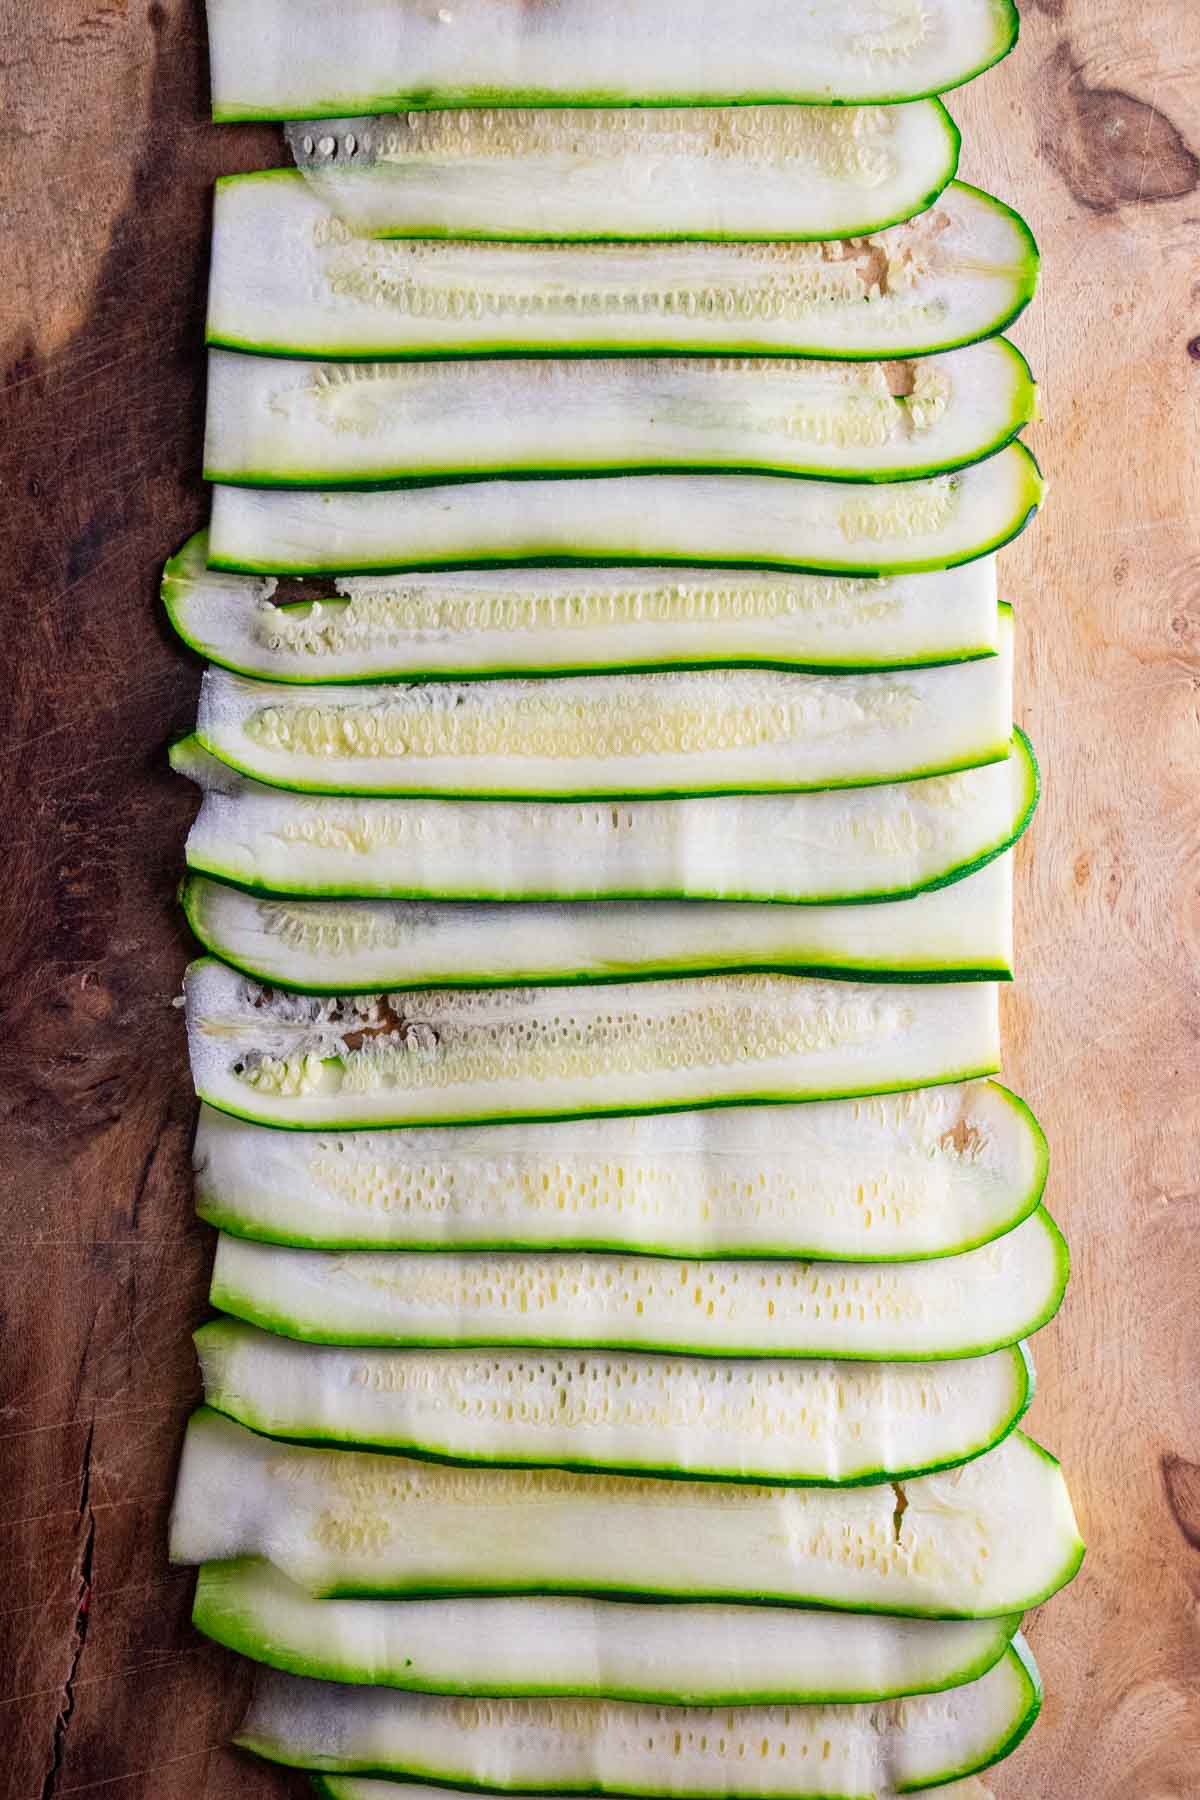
x,y
587,736
275,422
897,1178
993,1536
470,1056
570,622
765,521
271,60
818,1423
626,1748
367,1787
289,278
958,1306
958,933
762,172
695,1654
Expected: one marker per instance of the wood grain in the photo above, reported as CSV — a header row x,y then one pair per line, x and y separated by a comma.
x,y
106,161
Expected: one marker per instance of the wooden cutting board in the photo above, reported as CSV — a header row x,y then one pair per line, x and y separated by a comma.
x,y
106,161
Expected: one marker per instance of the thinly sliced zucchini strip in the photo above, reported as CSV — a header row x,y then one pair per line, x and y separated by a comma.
x,y
569,622
367,1787
289,278
769,172
994,1536
627,1748
277,60
892,1179
463,1056
821,1423
960,933
272,422
691,1655
587,736
766,521
960,1306
620,1747
846,844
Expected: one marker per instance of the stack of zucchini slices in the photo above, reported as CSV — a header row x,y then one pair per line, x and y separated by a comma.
x,y
609,788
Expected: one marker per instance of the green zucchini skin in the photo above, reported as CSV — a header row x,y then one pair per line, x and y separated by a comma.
x,y
295,1722
935,620
592,1649
281,1388
737,521
309,1296
285,275
274,62
241,1170
786,174
274,424
319,946
367,1787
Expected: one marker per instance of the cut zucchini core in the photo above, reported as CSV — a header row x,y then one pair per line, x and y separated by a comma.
x,y
690,1655
291,59
961,1306
767,172
448,1056
766,521
564,622
589,736
289,278
882,843
625,1748
893,1179
273,422
824,1423
992,1537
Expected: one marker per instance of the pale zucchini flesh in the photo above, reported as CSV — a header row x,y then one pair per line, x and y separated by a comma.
x,y
959,933
368,1787
692,1655
993,1536
820,1423
959,1306
587,736
463,1056
887,842
275,422
290,278
567,622
271,60
665,173
764,521
903,1178
627,1748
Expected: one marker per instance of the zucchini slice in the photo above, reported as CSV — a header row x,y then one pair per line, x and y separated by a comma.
x,y
623,1747
367,1787
289,278
847,844
707,731
273,422
691,1655
765,521
959,933
959,1306
994,1536
822,1423
287,59
569,622
763,172
911,1177
464,1056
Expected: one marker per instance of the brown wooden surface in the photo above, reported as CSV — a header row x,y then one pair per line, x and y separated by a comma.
x,y
1094,130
